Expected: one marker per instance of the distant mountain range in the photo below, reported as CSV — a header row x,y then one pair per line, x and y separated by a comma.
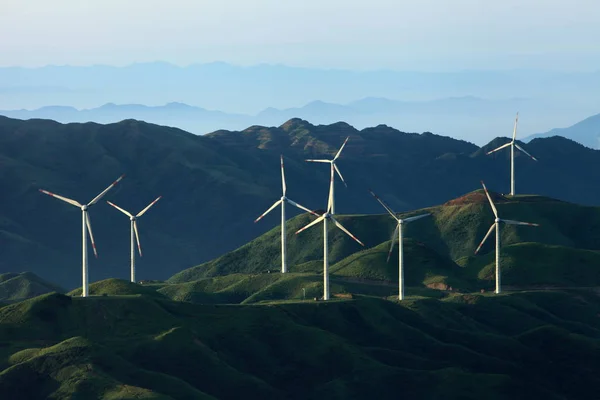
x,y
471,118
586,132
553,99
249,90
215,185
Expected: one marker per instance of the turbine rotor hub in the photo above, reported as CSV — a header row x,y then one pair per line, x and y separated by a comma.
x,y
497,220
84,208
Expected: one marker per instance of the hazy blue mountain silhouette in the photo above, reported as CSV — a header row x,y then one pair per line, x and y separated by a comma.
x,y
586,132
558,99
466,117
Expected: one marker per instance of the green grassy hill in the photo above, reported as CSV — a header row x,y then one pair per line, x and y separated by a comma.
x,y
17,287
537,264
117,287
439,249
513,346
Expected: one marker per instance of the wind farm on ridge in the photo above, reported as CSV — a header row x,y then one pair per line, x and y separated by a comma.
x,y
327,216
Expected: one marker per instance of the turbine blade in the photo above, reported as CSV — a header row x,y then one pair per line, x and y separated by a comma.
x,y
316,221
137,237
523,150
394,240
268,211
148,207
120,209
284,187
490,199
410,219
65,199
323,161
485,238
515,128
346,231
301,207
341,148
500,148
95,200
511,222
339,173
389,210
89,228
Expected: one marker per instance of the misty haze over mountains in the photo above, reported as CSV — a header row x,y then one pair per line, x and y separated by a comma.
x,y
470,105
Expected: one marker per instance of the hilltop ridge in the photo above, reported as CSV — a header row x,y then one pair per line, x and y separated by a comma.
x,y
214,186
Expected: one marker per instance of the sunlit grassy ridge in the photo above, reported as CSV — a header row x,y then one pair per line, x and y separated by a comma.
x,y
438,249
16,287
513,346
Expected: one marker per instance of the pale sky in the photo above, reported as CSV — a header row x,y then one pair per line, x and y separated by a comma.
x,y
373,34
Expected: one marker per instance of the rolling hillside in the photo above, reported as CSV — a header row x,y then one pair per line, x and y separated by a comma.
x,y
17,287
438,249
214,186
514,346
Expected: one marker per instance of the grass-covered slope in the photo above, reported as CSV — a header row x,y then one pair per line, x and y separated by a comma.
x,y
17,287
117,287
256,288
537,264
438,249
513,346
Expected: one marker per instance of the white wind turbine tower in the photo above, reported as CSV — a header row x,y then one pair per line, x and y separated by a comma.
x,y
328,215
398,234
333,166
134,232
85,218
496,225
282,201
512,145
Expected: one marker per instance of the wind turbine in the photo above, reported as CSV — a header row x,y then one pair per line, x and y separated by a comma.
x,y
398,234
134,231
85,222
333,166
282,201
496,225
328,215
512,145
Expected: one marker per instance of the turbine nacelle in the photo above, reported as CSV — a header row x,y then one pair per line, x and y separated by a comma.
x,y
497,220
84,208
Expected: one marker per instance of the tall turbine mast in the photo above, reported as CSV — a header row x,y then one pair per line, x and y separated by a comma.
x,y
512,145
333,167
496,226
134,232
85,223
398,234
282,201
328,216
